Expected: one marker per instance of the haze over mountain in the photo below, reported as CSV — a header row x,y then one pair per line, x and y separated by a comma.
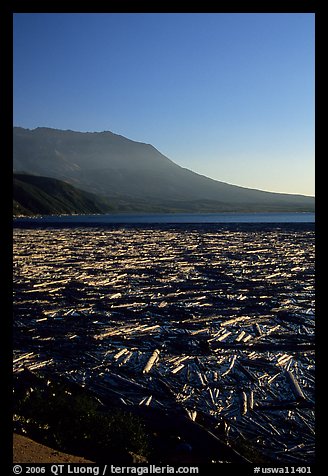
x,y
135,176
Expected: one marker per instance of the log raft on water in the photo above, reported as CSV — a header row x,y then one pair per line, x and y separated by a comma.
x,y
226,332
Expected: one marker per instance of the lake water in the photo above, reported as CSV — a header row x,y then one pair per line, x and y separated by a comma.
x,y
174,218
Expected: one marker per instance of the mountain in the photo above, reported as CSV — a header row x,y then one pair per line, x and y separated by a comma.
x,y
136,176
43,195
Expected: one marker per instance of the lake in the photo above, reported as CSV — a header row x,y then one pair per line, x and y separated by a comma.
x,y
173,218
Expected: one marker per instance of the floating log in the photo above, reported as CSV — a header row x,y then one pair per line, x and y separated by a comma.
x,y
296,389
107,334
182,359
25,356
201,378
251,400
257,329
263,250
192,414
120,353
233,359
240,336
150,328
244,403
212,396
39,365
247,338
50,283
234,320
115,296
198,331
177,369
126,358
284,359
224,336
148,400
153,358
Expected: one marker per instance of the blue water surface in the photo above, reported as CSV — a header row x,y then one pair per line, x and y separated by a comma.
x,y
173,218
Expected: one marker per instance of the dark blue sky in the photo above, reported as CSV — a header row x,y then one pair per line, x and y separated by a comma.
x,y
230,96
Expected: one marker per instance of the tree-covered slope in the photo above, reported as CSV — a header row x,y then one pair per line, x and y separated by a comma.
x,y
43,195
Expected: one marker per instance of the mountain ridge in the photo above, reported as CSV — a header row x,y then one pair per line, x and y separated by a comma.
x,y
128,172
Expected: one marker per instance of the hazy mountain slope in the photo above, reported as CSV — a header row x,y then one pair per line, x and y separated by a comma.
x,y
136,175
43,195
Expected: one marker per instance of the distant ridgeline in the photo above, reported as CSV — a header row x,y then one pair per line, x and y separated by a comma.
x,y
101,172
